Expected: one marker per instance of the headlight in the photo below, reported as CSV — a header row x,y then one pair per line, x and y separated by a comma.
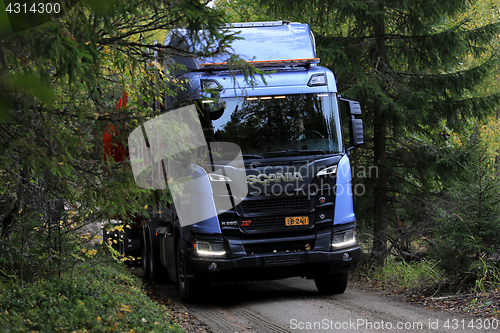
x,y
330,171
218,178
344,238
204,248
219,183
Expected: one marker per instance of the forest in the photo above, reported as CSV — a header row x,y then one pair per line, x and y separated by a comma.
x,y
425,72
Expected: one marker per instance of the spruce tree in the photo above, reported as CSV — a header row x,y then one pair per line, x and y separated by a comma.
x,y
468,229
403,60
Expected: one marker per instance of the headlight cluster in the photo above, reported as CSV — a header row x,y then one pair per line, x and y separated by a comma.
x,y
204,248
214,177
219,183
330,171
344,238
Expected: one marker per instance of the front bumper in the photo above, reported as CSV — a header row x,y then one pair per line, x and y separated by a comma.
x,y
275,265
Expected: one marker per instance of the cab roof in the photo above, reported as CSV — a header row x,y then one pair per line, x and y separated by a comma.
x,y
277,43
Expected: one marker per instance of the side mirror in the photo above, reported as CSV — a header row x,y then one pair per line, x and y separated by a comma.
x,y
215,110
211,109
355,125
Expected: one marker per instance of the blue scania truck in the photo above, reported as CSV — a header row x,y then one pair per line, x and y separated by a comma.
x,y
292,213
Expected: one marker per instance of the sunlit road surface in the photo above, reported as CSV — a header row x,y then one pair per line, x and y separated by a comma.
x,y
293,305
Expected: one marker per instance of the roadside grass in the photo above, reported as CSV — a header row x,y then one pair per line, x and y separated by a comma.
x,y
410,276
98,295
424,282
426,277
403,277
488,278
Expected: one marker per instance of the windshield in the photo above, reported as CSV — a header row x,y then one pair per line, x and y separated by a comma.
x,y
275,126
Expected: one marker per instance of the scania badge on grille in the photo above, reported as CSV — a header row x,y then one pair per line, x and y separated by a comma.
x,y
274,177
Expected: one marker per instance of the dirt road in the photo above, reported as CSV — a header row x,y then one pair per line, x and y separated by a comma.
x,y
293,305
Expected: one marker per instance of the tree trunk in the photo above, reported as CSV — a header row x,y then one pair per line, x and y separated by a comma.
x,y
379,249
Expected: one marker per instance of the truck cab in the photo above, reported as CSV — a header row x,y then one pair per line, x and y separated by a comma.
x,y
285,208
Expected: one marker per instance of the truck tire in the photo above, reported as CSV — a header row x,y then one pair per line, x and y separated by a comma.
x,y
332,284
157,273
150,253
189,289
144,253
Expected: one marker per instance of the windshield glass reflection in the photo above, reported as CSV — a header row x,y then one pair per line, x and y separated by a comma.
x,y
275,126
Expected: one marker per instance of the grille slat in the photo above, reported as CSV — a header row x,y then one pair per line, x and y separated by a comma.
x,y
271,222
273,262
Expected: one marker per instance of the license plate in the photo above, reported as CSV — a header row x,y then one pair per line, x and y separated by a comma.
x,y
296,220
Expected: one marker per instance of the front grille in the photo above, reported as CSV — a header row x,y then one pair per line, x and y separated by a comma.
x,y
275,205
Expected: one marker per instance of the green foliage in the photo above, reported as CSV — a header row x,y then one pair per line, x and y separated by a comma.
x,y
59,87
468,232
99,296
398,275
245,11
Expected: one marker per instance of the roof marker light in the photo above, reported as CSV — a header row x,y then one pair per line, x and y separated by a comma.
x,y
317,80
210,84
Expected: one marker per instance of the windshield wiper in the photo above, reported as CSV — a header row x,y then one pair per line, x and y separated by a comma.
x,y
294,153
250,156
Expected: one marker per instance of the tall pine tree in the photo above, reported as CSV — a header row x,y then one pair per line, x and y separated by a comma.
x,y
403,60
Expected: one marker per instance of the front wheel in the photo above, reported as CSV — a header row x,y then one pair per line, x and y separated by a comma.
x,y
189,289
157,273
332,284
